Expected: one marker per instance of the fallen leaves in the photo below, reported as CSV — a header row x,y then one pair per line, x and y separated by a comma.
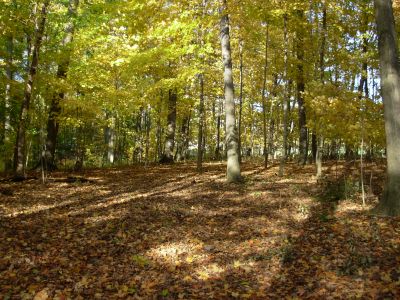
x,y
150,233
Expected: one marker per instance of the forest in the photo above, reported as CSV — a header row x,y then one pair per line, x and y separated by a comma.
x,y
202,149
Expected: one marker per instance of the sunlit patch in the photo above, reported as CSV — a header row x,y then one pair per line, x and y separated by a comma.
x,y
178,253
351,207
209,271
39,208
98,219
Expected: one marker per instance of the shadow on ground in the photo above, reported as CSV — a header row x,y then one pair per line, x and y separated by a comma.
x,y
168,232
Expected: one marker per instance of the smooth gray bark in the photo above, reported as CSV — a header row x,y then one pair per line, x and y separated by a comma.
x,y
233,166
390,80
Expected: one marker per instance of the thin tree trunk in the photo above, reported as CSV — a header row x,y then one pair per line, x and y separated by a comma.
x,y
233,166
7,96
201,125
217,149
264,104
148,128
20,145
240,102
159,132
168,156
109,134
318,137
303,141
285,100
361,89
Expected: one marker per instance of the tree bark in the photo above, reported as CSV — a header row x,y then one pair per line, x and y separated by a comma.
x,y
217,149
233,166
201,126
20,145
390,80
109,134
55,109
285,100
168,156
240,102
264,101
303,140
317,138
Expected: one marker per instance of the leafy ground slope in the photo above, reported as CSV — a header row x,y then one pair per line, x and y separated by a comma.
x,y
166,232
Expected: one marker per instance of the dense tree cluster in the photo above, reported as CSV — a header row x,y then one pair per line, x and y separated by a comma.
x,y
95,83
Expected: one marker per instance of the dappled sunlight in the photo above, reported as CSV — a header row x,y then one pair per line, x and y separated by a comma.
x,y
179,253
104,218
209,271
191,235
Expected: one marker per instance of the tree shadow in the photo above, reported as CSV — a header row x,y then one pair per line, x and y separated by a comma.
x,y
157,234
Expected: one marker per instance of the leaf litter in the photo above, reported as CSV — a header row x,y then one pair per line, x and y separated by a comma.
x,y
167,232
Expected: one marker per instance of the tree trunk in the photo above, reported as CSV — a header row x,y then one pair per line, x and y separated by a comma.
x,y
233,166
303,141
7,96
390,80
285,100
168,156
318,138
5,137
240,102
183,137
201,125
158,155
109,134
148,128
264,104
20,145
217,149
55,109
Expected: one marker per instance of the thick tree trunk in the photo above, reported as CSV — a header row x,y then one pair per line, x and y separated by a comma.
x,y
19,155
55,109
390,80
168,156
233,166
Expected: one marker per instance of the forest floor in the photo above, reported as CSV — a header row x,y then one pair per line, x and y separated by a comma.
x,y
167,232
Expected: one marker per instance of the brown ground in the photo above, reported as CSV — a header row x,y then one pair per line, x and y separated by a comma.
x,y
166,232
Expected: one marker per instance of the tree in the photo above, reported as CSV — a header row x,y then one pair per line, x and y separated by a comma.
x,y
54,111
390,81
233,166
168,156
19,155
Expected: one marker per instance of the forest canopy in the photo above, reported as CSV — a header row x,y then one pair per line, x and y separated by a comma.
x,y
307,70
